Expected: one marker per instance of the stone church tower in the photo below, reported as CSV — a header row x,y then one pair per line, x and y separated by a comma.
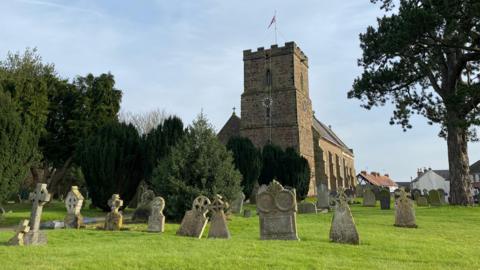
x,y
275,104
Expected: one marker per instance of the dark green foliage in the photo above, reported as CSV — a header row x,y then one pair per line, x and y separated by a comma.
x,y
248,160
271,157
159,141
289,168
424,58
295,172
198,165
15,148
111,163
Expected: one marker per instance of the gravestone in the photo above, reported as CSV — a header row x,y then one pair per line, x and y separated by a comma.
x,y
143,209
237,204
434,198
252,198
218,225
421,201
156,220
247,213
194,222
385,199
114,219
404,211
425,192
307,208
396,194
323,197
74,202
277,209
39,198
369,198
359,191
416,193
20,231
343,229
441,193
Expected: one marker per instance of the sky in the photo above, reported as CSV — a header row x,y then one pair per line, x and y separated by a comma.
x,y
186,56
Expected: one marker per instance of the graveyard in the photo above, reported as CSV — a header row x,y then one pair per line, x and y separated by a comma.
x,y
446,238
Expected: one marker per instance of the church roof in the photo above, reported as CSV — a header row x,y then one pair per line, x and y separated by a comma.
x,y
230,129
328,134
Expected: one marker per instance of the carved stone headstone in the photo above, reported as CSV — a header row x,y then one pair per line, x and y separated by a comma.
x,y
434,198
385,199
74,202
343,229
416,193
194,222
441,193
237,204
421,201
307,208
369,198
277,209
323,197
20,231
218,225
39,198
114,219
143,210
156,220
404,211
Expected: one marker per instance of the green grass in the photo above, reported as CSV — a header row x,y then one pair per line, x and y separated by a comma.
x,y
447,238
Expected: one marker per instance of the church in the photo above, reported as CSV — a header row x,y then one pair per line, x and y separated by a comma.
x,y
276,108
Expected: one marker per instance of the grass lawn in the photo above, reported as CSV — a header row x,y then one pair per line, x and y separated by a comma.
x,y
447,238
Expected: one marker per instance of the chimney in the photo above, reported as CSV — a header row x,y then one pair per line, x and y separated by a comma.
x,y
419,172
373,173
363,172
387,175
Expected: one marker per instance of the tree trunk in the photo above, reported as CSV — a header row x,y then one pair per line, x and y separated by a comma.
x,y
460,183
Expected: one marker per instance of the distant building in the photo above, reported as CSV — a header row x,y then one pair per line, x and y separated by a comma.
x,y
475,174
431,179
376,179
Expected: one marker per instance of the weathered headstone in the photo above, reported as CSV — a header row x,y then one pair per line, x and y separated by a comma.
x,y
277,209
421,201
416,193
343,229
396,194
143,210
20,231
404,211
253,197
369,198
194,222
307,208
237,204
156,220
39,198
323,197
74,202
434,198
247,213
218,225
441,193
114,219
385,199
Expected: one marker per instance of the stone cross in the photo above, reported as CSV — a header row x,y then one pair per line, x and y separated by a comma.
x,y
195,220
218,226
156,220
114,220
343,229
20,231
74,202
115,203
39,198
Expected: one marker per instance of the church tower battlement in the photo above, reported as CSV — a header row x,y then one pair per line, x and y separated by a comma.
x,y
275,103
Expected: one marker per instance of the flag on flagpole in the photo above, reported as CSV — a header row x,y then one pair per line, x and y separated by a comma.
x,y
274,20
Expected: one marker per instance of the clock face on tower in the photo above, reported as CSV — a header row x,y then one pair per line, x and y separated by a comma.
x,y
267,102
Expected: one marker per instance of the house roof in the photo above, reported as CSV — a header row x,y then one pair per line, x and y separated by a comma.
x,y
443,173
475,167
328,134
377,179
230,129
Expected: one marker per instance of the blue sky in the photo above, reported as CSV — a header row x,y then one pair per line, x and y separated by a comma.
x,y
183,56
